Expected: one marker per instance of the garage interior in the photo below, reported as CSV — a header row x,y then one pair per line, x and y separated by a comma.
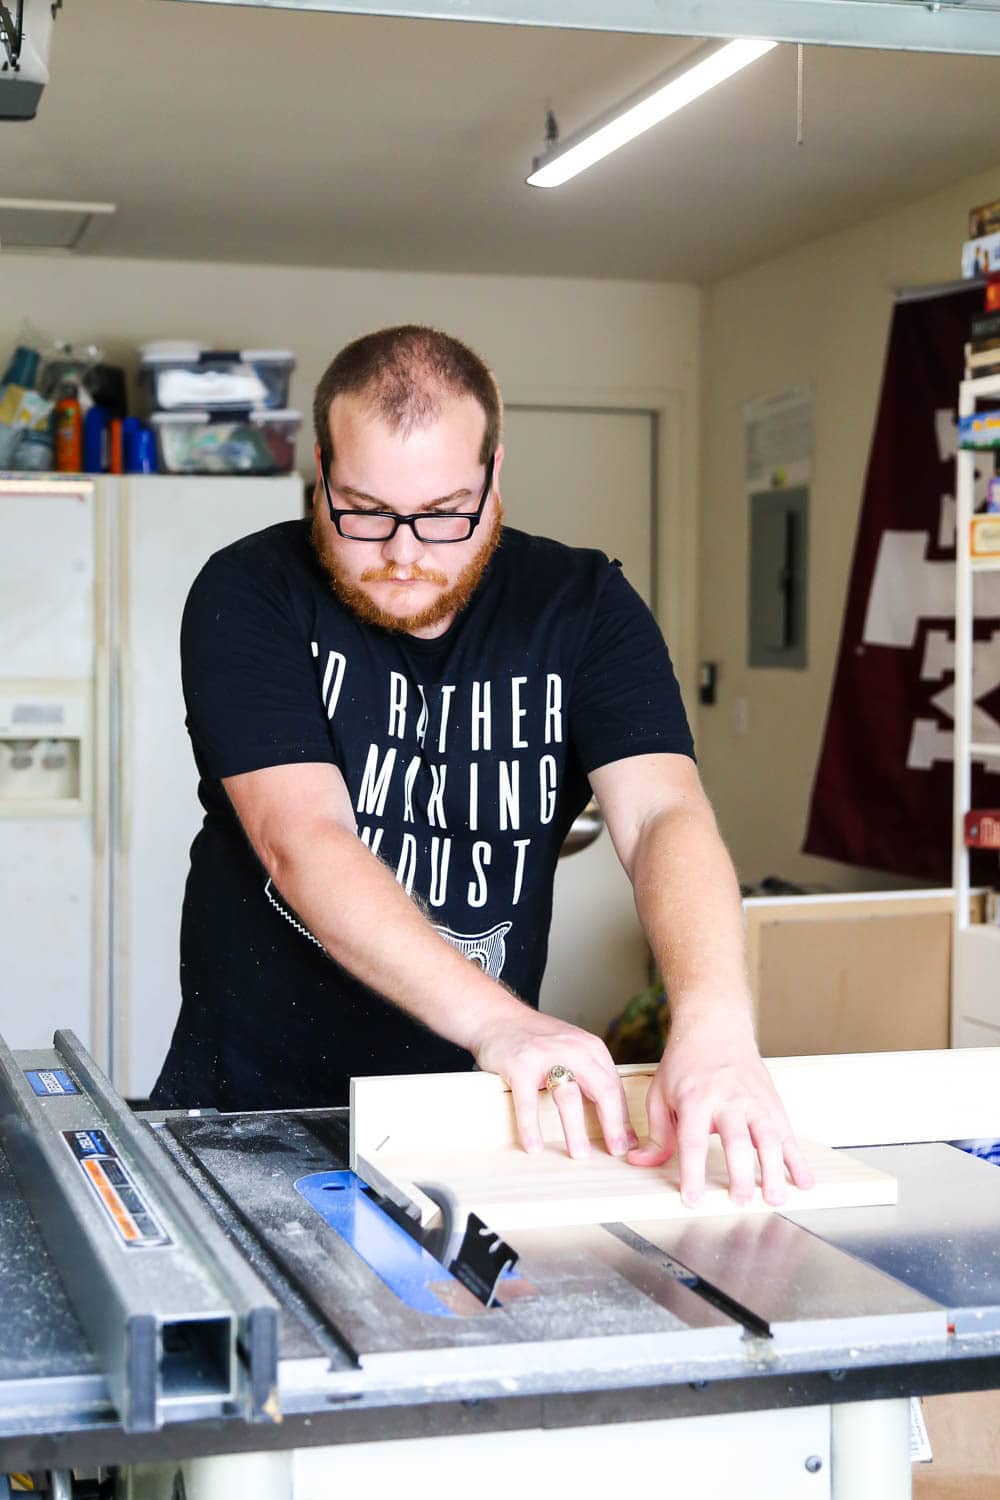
x,y
288,178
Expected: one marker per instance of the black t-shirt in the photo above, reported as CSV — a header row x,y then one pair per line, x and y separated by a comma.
x,y
466,759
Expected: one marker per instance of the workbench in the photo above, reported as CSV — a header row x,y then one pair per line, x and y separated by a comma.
x,y
214,1305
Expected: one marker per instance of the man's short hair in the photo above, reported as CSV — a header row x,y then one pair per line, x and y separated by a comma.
x,y
405,373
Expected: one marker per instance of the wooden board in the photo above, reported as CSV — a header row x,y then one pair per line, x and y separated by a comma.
x,y
892,1098
510,1190
458,1131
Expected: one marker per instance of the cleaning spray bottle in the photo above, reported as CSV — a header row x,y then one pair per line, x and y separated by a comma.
x,y
67,429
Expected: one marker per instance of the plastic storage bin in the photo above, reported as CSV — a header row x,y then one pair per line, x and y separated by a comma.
x,y
202,442
187,377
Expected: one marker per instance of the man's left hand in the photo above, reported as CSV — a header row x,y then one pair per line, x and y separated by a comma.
x,y
712,1081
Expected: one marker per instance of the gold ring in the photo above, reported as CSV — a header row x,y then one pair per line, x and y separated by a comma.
x,y
557,1076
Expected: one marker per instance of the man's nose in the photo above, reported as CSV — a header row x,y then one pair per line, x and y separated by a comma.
x,y
404,547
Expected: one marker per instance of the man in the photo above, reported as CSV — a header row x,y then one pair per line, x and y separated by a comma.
x,y
397,712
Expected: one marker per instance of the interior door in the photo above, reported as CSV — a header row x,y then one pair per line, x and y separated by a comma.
x,y
588,478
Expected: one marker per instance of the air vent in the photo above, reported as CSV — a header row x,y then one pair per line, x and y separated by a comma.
x,y
37,224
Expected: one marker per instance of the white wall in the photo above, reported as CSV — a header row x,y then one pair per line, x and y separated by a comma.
x,y
549,340
818,315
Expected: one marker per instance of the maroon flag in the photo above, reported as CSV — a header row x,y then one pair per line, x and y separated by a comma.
x,y
883,790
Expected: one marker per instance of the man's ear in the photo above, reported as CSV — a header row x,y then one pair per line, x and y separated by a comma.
x,y
317,489
497,462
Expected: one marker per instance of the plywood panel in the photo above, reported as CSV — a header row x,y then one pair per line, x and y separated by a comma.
x,y
458,1131
855,984
845,974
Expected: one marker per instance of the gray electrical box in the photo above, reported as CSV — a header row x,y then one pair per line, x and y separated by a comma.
x,y
779,554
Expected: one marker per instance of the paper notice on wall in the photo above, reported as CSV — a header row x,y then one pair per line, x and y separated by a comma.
x,y
920,1443
779,440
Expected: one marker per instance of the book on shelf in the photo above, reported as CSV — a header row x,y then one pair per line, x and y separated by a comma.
x,y
985,362
982,366
986,326
980,257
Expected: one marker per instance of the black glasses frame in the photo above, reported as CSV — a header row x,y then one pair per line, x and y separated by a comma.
x,y
473,517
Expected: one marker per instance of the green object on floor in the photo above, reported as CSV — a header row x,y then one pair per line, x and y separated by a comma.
x,y
639,1033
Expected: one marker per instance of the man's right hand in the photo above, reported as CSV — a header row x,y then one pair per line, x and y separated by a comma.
x,y
523,1047
300,820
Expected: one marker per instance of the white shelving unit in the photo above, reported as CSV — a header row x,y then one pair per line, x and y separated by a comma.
x,y
975,994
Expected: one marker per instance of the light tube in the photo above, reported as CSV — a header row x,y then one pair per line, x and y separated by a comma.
x,y
596,141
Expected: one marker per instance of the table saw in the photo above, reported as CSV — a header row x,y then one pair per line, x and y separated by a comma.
x,y
214,1304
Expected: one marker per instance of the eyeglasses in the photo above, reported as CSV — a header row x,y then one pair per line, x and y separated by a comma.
x,y
428,526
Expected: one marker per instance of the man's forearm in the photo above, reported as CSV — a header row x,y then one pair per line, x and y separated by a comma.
x,y
688,901
352,904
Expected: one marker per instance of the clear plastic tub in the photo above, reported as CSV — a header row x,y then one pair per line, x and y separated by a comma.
x,y
187,377
202,442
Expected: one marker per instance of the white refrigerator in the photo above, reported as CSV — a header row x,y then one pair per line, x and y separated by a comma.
x,y
98,788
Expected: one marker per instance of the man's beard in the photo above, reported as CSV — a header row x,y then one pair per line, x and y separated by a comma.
x,y
450,602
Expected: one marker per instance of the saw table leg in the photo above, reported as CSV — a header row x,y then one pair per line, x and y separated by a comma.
x,y
870,1451
231,1476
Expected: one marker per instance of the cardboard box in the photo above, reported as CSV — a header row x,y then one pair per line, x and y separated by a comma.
x,y
984,220
964,1432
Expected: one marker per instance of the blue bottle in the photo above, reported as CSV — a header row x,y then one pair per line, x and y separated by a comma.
x,y
96,440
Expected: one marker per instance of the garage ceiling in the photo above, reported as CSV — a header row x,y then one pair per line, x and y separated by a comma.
x,y
279,136
948,26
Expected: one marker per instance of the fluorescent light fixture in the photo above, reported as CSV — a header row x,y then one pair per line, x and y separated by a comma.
x,y
45,224
682,85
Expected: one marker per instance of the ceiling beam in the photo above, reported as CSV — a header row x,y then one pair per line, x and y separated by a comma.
x,y
958,26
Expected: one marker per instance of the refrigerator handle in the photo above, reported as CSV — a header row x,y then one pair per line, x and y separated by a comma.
x,y
123,751
102,758
121,792
120,1038
102,729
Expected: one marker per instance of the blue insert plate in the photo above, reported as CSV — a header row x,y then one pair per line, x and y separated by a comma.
x,y
341,1200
